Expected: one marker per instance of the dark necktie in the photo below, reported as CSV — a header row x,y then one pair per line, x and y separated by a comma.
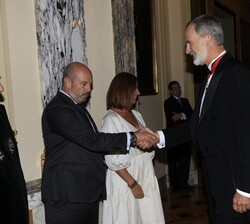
x,y
87,114
179,101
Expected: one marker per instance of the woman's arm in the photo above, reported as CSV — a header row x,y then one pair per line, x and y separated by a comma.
x,y
132,183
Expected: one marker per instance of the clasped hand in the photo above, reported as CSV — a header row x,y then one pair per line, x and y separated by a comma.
x,y
176,116
146,138
241,203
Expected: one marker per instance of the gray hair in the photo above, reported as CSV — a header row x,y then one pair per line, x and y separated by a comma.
x,y
206,24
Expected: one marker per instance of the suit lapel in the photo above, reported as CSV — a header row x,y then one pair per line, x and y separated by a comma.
x,y
210,93
90,119
84,112
80,108
196,119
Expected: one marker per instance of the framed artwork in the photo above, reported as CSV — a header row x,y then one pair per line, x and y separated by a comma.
x,y
146,63
134,42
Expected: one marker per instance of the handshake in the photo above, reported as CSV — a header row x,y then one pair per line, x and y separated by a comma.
x,y
146,138
176,135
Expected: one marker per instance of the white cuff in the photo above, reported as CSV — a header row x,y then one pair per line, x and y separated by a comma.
x,y
161,144
183,116
128,140
243,193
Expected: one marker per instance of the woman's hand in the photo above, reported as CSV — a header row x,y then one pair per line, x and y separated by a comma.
x,y
137,191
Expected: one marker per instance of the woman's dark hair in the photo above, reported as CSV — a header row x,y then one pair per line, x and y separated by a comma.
x,y
120,91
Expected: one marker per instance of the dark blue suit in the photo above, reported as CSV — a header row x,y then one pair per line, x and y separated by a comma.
x,y
74,171
179,155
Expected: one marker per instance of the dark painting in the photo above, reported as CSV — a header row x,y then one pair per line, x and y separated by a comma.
x,y
145,51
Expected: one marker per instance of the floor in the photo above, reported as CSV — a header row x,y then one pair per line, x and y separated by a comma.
x,y
185,207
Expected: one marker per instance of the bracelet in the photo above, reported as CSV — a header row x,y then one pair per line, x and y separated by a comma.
x,y
132,185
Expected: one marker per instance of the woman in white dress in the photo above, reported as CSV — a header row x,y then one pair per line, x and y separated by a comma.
x,y
133,195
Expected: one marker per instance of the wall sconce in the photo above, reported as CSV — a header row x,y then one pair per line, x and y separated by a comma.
x,y
42,159
76,22
15,132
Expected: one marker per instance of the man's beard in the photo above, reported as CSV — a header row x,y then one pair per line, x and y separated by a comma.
x,y
83,99
87,100
200,57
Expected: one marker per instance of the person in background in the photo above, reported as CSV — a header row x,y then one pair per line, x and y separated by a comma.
x,y
133,194
177,111
13,200
220,125
73,179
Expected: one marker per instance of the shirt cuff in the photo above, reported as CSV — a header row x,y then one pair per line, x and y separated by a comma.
x,y
183,116
162,141
128,140
243,193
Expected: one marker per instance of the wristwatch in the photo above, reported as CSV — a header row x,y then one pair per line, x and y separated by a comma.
x,y
133,139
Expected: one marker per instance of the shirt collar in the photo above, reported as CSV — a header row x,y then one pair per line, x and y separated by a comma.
x,y
176,97
210,65
67,95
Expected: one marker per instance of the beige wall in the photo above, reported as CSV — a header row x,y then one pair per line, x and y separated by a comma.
x,y
20,71
22,80
171,17
100,52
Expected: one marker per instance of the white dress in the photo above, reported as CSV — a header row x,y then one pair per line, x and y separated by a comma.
x,y
121,207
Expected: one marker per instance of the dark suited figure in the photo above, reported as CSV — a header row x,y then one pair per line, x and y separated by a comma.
x,y
13,199
73,179
178,111
220,124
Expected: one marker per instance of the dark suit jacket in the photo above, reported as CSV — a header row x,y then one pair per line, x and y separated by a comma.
x,y
13,198
172,105
74,170
224,123
177,134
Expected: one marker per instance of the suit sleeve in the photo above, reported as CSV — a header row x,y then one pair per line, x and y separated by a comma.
x,y
177,134
66,123
241,123
188,109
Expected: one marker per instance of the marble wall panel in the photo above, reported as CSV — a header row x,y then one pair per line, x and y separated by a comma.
x,y
134,42
124,36
61,39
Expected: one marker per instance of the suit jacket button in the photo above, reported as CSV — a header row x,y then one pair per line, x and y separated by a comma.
x,y
211,133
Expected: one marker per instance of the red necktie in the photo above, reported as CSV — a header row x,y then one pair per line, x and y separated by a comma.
x,y
214,66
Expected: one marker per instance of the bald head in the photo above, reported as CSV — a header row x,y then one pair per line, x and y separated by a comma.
x,y
77,82
71,70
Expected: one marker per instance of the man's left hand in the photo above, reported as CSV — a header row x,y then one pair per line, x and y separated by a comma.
x,y
241,203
